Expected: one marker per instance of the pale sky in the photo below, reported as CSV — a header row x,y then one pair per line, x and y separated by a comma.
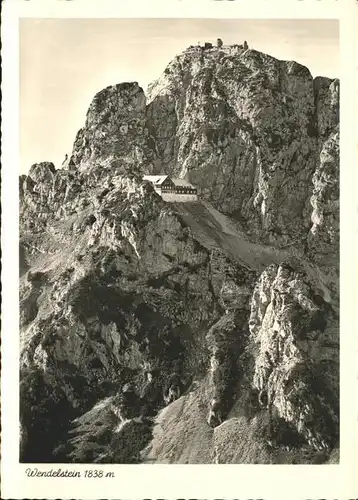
x,y
64,62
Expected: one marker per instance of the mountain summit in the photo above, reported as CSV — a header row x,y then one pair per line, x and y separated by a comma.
x,y
194,332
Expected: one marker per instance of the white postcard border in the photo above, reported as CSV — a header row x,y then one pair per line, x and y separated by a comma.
x,y
183,481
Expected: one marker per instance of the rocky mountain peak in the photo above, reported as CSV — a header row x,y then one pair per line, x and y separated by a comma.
x,y
115,132
247,129
42,172
187,332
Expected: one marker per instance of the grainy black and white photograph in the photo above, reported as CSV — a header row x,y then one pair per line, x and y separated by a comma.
x,y
179,241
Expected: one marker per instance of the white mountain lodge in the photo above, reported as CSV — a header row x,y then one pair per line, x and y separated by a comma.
x,y
172,188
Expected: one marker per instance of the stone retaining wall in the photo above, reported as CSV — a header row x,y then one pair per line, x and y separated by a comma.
x,y
179,197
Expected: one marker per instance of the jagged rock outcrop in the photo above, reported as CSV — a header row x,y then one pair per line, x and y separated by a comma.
x,y
323,238
222,315
277,367
295,332
115,133
247,129
327,105
131,289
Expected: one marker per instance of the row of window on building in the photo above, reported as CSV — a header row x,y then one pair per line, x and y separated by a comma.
x,y
166,184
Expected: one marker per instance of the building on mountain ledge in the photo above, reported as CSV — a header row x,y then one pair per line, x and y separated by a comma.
x,y
173,189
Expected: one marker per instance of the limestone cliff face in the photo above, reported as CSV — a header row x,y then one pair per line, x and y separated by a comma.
x,y
327,105
129,294
275,367
115,133
295,333
323,238
248,130
187,333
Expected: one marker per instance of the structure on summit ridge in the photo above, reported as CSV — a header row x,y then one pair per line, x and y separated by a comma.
x,y
172,189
